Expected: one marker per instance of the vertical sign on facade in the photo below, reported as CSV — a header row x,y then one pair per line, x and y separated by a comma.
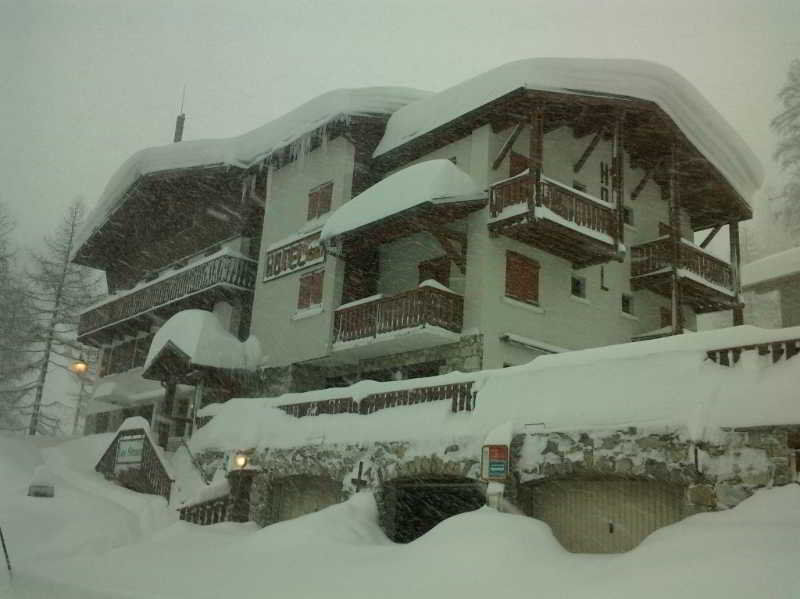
x,y
494,462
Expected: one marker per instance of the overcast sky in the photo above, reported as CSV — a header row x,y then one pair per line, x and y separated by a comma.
x,y
86,83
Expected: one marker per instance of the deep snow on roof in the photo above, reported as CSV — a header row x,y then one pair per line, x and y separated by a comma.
x,y
246,149
201,336
771,268
658,384
417,184
644,80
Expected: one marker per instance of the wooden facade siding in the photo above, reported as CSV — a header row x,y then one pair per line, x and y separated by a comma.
x,y
459,394
561,200
224,270
656,255
417,307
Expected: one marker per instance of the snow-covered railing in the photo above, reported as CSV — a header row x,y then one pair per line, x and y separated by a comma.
x,y
459,394
728,356
656,255
569,204
223,270
417,307
145,473
211,511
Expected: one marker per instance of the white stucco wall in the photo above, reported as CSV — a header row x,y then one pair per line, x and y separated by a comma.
x,y
287,335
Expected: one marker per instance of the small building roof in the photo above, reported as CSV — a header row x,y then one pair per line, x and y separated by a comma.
x,y
772,268
639,79
434,181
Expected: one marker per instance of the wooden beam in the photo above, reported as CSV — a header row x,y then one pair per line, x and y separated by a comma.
x,y
710,236
588,151
446,239
675,224
536,157
618,180
736,264
507,146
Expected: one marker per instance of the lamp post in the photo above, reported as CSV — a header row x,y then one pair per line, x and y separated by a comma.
x,y
80,368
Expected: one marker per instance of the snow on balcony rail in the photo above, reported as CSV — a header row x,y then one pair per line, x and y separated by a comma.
x,y
655,256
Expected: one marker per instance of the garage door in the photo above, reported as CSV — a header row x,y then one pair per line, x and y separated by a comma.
x,y
297,496
592,516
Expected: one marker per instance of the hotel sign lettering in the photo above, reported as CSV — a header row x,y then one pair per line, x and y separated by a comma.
x,y
293,257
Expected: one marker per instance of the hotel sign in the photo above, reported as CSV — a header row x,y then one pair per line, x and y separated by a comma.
x,y
129,453
293,256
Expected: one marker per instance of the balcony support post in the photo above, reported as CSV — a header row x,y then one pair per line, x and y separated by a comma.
x,y
618,182
675,234
536,152
736,264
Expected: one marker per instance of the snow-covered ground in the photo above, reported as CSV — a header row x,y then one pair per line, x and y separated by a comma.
x,y
96,540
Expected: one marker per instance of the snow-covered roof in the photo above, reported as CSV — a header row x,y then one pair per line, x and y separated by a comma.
x,y
770,268
662,383
201,336
695,116
432,181
246,149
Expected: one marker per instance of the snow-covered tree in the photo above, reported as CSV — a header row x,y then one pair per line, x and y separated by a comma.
x,y
59,290
787,123
15,328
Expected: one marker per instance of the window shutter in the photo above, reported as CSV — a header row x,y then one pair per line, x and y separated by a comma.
x,y
304,297
324,195
519,162
313,204
522,278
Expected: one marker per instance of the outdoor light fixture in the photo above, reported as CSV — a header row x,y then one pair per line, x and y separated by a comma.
x,y
79,367
240,460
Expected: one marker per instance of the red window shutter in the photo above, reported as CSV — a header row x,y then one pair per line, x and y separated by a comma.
x,y
325,194
519,162
313,204
522,278
304,297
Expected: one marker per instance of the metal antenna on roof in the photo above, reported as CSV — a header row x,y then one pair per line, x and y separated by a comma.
x,y
181,119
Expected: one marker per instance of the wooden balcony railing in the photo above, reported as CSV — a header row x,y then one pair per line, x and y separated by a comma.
x,y
223,270
420,306
561,200
145,475
212,511
656,255
459,394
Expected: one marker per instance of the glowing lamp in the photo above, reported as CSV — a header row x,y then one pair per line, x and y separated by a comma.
x,y
240,460
79,367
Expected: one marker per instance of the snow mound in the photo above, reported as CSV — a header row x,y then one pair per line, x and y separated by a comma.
x,y
767,269
426,182
695,116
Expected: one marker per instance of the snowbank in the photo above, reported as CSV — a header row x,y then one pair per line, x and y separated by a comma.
x,y
698,120
246,149
750,551
770,268
664,383
425,182
201,336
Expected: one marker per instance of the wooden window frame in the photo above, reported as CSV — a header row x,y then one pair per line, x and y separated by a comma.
x,y
522,278
310,290
320,199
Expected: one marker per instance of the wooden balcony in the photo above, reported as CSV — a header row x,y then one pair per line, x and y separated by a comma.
x,y
707,283
198,286
564,222
422,317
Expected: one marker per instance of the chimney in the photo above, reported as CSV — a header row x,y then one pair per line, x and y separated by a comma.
x,y
179,127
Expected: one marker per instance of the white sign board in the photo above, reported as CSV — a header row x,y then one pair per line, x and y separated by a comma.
x,y
129,452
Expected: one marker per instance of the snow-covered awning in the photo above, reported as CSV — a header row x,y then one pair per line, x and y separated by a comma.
x,y
196,340
621,79
433,189
772,268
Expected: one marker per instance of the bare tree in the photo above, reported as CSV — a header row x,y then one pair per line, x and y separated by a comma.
x,y
60,290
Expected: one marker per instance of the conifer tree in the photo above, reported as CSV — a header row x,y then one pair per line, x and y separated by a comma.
x,y
60,290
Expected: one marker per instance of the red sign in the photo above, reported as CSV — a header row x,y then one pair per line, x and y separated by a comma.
x,y
494,462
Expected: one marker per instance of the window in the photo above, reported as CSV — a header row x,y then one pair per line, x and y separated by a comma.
x,y
522,278
627,215
437,269
319,200
578,286
627,303
310,290
519,162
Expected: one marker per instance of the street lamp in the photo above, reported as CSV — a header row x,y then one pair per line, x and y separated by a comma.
x,y
80,368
